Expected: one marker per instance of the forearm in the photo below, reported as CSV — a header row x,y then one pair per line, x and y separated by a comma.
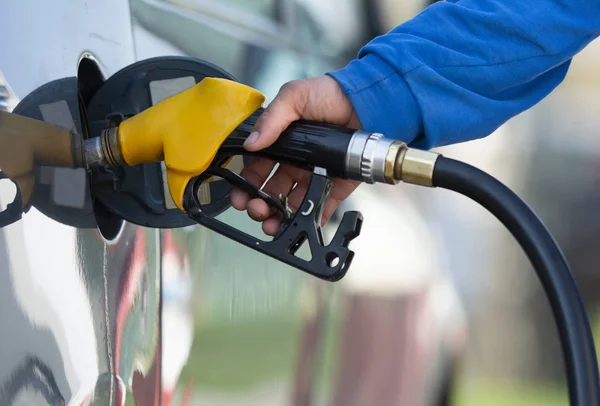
x,y
459,70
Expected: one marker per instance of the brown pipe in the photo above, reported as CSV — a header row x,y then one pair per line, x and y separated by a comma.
x,y
26,142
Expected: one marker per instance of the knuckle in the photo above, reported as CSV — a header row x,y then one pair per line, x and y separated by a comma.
x,y
264,115
292,86
296,93
272,116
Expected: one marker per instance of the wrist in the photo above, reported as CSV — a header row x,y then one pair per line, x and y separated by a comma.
x,y
381,98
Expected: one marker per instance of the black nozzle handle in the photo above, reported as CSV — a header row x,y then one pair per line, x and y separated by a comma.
x,y
305,144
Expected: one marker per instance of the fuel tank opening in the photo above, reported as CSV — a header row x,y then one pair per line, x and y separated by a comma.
x,y
89,76
140,193
109,225
89,80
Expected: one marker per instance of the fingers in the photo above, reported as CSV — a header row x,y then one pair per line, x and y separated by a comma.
x,y
282,183
271,225
319,99
256,172
341,190
239,199
259,210
287,107
296,196
283,180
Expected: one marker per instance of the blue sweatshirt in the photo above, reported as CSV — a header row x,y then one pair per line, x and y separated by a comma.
x,y
460,69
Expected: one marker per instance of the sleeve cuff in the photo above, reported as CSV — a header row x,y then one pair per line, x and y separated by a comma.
x,y
381,98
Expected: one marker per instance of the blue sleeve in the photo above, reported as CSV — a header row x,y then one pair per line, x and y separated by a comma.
x,y
459,70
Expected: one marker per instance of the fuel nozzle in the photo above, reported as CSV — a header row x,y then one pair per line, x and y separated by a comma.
x,y
189,129
216,116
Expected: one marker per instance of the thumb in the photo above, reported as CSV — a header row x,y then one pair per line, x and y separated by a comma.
x,y
286,108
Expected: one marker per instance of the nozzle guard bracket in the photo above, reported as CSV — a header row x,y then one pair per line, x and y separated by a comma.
x,y
329,262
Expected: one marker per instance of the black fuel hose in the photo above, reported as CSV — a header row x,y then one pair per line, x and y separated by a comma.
x,y
549,263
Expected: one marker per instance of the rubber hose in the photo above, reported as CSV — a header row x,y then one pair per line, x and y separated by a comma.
x,y
549,263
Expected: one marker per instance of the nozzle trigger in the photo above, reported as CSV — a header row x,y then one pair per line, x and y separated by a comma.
x,y
329,262
239,181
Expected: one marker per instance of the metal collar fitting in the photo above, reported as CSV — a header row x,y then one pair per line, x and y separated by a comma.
x,y
366,157
373,158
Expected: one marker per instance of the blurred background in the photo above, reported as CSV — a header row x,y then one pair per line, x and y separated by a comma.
x,y
440,307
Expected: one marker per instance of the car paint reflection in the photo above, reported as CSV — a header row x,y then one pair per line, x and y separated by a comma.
x,y
8,100
31,379
78,318
177,330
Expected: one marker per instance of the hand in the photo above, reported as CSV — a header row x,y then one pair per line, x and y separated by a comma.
x,y
319,99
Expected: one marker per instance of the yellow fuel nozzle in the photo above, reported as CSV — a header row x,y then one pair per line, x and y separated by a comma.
x,y
185,130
